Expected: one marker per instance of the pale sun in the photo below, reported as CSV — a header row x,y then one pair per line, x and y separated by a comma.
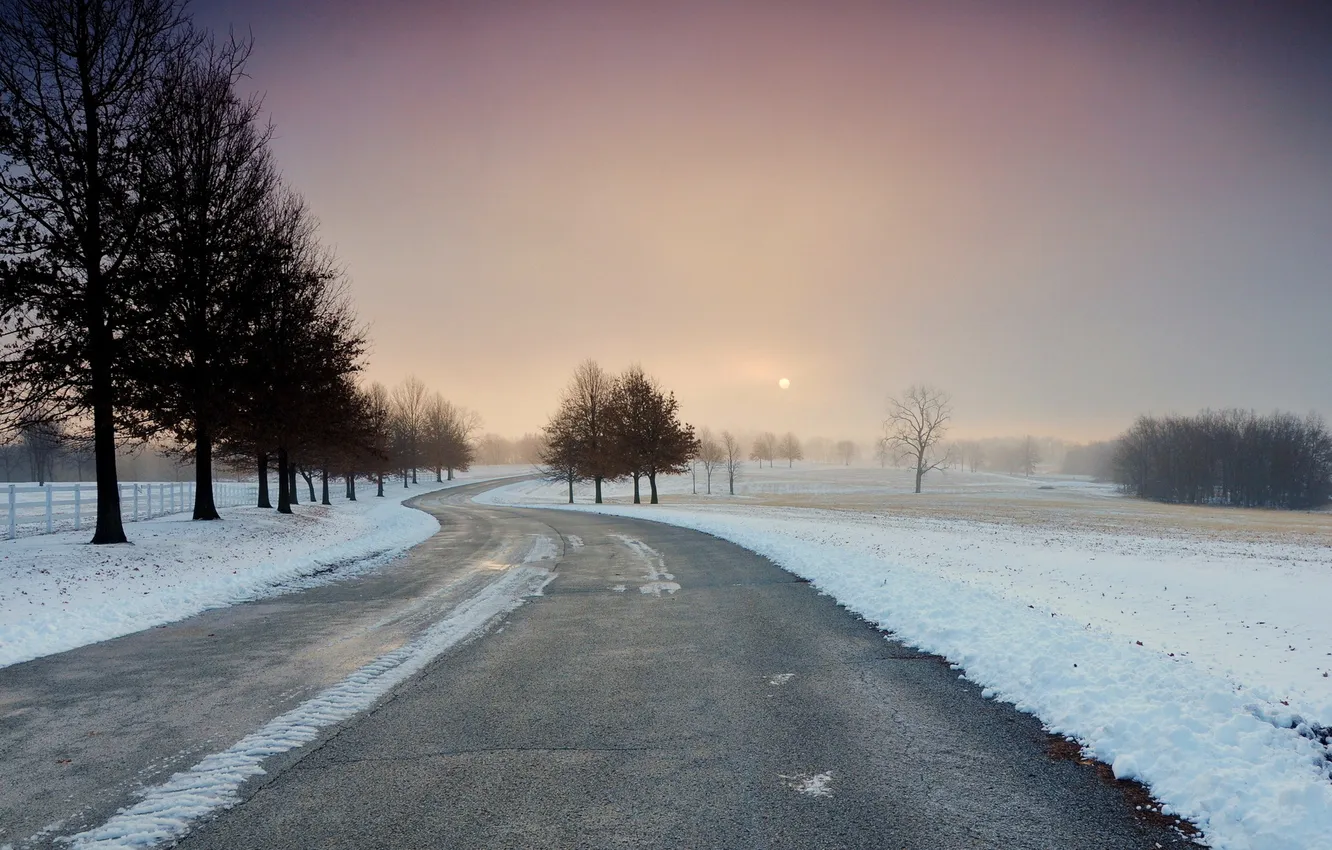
x,y
784,384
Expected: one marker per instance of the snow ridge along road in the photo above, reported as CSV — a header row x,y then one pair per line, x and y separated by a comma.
x,y
58,593
1221,747
167,810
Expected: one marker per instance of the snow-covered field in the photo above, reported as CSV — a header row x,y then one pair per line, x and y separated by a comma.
x,y
1190,649
58,593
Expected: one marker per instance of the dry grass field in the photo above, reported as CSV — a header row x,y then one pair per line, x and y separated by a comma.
x,y
1055,501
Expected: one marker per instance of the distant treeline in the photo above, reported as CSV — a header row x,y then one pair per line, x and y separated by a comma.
x,y
1230,457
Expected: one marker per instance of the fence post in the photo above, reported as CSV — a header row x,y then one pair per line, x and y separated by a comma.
x,y
11,511
48,508
136,502
78,504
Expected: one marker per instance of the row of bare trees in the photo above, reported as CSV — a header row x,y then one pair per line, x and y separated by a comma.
x,y
159,278
768,446
611,427
1229,457
421,429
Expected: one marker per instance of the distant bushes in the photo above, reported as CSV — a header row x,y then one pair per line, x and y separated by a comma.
x,y
1230,457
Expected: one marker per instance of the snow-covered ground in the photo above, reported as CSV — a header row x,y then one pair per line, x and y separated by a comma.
x,y
58,593
1189,650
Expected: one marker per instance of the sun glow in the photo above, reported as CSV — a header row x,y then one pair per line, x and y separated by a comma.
x,y
784,383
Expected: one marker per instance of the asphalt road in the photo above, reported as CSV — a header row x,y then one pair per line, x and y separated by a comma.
x,y
82,731
667,690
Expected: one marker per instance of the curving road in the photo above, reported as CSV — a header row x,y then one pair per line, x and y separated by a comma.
x,y
668,689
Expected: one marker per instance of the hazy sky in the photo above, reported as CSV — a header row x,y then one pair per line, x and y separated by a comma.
x,y
1065,214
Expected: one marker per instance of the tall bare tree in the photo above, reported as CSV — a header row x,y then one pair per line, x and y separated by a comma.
x,y
734,458
711,454
78,80
916,426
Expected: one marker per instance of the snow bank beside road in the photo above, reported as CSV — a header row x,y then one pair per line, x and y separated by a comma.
x,y
1195,668
59,593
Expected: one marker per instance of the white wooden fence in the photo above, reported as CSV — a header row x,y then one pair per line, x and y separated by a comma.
x,y
45,508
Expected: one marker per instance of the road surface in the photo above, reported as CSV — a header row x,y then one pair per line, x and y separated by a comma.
x,y
668,689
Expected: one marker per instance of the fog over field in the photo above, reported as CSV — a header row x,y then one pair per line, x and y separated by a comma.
x,y
1065,214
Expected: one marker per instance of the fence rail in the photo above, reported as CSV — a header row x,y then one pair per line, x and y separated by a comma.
x,y
46,508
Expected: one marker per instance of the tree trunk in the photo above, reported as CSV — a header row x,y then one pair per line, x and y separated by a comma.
x,y
596,481
920,473
404,479
571,490
309,482
732,477
413,475
439,475
109,529
450,473
708,473
637,501
293,492
351,487
323,475
380,494
652,485
284,482
204,507
263,481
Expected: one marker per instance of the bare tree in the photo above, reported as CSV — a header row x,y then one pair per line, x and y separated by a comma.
x,y
975,455
847,451
378,412
587,402
916,425
711,454
883,451
410,408
788,448
77,81
733,459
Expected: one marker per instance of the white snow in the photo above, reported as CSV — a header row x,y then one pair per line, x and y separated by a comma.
x,y
1194,663
166,811
58,593
658,580
811,785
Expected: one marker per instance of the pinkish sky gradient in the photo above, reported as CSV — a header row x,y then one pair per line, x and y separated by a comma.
x,y
1065,214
